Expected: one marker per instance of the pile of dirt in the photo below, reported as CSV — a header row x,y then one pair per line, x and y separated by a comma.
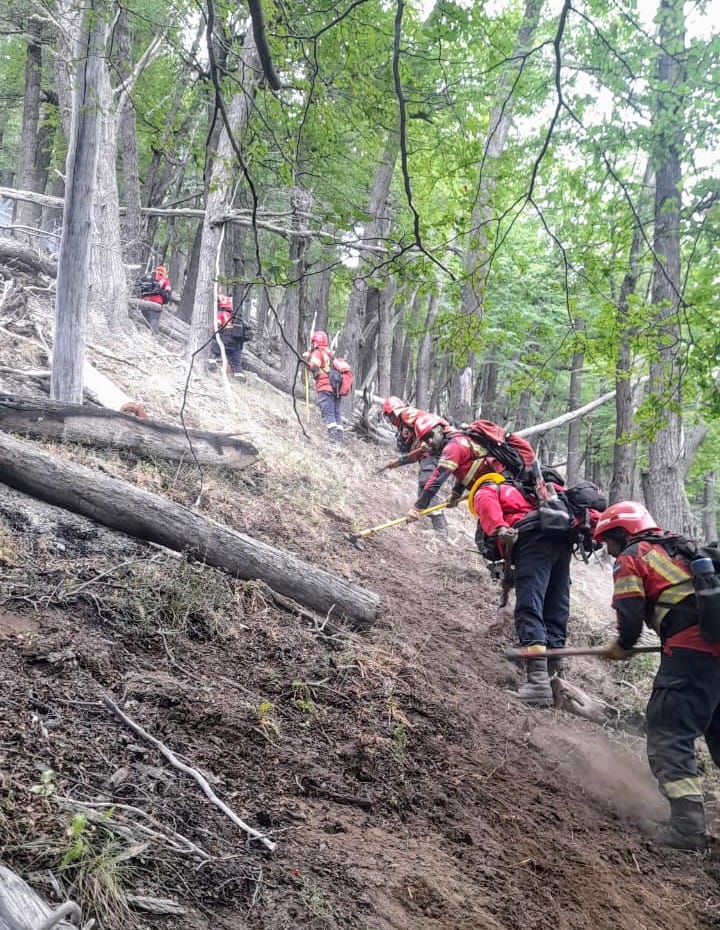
x,y
402,783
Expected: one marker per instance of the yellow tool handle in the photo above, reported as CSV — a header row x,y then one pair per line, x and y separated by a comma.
x,y
386,526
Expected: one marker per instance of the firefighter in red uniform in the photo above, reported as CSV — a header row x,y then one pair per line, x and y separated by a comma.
x,y
460,457
159,293
412,427
231,330
541,575
319,362
653,585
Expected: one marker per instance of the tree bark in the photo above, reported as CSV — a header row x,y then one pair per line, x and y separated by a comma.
x,y
74,262
132,219
294,297
663,483
27,214
374,231
221,191
572,469
622,484
478,245
122,506
108,429
709,520
22,909
422,377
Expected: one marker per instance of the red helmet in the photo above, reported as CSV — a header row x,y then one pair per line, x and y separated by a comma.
x,y
319,339
626,515
392,405
225,302
426,422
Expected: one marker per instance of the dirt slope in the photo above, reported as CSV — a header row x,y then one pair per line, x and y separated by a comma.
x,y
403,783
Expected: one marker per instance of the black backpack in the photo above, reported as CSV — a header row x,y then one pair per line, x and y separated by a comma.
x,y
707,587
147,286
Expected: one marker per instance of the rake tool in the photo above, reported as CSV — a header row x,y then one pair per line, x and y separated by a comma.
x,y
356,538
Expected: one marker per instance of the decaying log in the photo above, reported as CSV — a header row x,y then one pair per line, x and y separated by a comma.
x,y
170,325
574,700
23,259
124,507
100,389
22,909
102,428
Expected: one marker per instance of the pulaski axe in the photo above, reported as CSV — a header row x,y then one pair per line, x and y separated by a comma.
x,y
356,538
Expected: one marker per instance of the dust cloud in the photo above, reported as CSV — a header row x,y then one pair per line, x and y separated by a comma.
x,y
618,778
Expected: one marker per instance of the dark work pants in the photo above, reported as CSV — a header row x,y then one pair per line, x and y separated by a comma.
x,y
233,353
427,466
152,318
329,406
684,704
542,588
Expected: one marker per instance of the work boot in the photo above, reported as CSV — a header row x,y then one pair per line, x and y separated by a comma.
x,y
441,533
686,828
556,667
537,691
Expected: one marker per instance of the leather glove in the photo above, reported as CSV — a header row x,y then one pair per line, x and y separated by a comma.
x,y
413,514
453,500
507,534
391,464
615,652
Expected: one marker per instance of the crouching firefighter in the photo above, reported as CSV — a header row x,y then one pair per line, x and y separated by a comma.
x,y
541,574
654,583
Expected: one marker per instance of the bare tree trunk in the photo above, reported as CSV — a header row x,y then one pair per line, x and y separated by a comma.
x,y
478,246
132,220
572,468
294,297
189,285
386,303
377,223
422,370
709,520
622,484
663,483
28,214
221,192
318,301
73,265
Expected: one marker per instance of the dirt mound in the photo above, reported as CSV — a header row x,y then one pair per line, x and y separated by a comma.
x,y
402,782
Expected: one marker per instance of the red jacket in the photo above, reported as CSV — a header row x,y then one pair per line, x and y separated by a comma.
x,y
654,588
500,505
166,291
319,364
461,458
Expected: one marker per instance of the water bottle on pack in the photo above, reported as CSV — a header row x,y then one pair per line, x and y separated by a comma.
x,y
707,598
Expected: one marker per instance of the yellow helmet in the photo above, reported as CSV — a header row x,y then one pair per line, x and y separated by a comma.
x,y
488,476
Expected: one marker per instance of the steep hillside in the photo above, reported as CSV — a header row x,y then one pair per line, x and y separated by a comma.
x,y
403,784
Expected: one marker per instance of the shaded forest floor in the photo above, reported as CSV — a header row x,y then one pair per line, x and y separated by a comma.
x,y
403,783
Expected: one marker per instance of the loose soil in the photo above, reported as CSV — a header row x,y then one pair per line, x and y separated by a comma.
x,y
404,784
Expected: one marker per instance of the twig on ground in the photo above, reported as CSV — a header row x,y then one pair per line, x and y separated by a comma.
x,y
189,770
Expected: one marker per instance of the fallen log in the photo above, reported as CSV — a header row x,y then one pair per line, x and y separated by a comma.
x,y
96,426
124,507
22,909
